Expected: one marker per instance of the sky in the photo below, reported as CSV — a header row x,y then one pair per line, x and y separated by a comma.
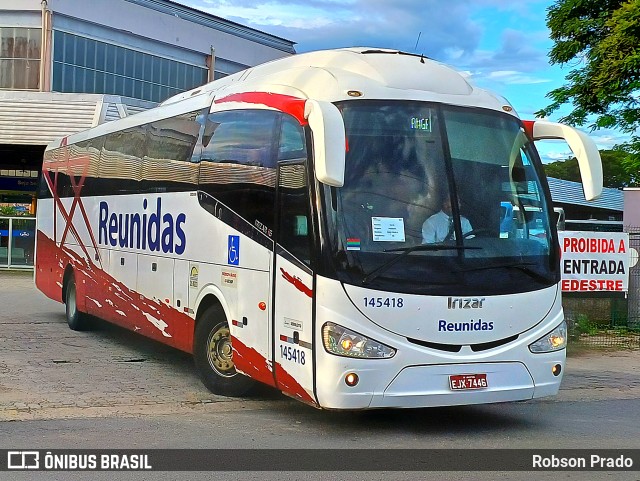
x,y
501,45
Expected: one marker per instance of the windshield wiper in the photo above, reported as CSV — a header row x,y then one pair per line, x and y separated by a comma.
x,y
405,251
521,266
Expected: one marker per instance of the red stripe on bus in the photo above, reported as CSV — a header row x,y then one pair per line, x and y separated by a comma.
x,y
117,303
251,362
288,385
110,299
284,103
528,127
296,282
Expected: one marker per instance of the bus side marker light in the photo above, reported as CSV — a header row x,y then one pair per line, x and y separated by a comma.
x,y
240,324
262,306
351,379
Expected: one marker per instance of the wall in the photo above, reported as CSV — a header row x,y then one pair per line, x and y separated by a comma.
x,y
631,213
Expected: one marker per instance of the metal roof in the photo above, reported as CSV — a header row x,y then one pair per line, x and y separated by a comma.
x,y
191,14
37,118
567,192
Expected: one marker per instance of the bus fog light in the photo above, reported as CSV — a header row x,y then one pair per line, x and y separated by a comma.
x,y
351,379
552,341
556,370
341,341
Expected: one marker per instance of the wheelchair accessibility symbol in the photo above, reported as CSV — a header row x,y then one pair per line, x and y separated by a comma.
x,y
233,257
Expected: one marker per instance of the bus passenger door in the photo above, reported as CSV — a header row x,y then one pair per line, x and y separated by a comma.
x,y
293,295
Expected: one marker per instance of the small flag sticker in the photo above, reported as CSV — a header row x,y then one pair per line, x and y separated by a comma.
x,y
353,244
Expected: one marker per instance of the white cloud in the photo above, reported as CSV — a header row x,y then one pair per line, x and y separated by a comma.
x,y
498,44
447,31
607,138
554,150
319,24
515,54
548,157
515,77
266,14
451,32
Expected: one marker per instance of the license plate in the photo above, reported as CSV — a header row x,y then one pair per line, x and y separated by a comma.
x,y
462,382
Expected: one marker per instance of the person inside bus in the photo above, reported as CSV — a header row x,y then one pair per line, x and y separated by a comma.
x,y
440,226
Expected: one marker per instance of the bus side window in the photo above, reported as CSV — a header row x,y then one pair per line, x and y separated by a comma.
x,y
292,142
63,185
293,232
86,163
238,164
120,162
167,166
77,166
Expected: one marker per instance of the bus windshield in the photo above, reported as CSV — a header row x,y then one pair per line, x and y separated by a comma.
x,y
440,200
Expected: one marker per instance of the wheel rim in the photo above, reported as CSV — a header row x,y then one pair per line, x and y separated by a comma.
x,y
71,302
219,351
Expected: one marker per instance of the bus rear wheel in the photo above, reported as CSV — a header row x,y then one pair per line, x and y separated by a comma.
x,y
77,321
213,355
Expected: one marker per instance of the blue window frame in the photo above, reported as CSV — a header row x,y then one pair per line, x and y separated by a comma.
x,y
89,66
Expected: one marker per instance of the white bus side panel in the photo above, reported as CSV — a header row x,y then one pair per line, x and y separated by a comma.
x,y
123,266
235,269
251,326
155,278
293,330
132,282
181,285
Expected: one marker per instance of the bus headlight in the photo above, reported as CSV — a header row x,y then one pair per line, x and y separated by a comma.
x,y
553,341
341,341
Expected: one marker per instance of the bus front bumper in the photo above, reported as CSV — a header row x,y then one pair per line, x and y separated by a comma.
x,y
431,385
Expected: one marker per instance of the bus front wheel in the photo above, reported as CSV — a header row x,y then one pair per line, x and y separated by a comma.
x,y
78,321
213,355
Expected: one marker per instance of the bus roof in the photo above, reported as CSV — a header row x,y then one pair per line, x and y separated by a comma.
x,y
376,73
329,75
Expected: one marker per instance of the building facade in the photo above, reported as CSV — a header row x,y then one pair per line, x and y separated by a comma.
x,y
67,65
601,214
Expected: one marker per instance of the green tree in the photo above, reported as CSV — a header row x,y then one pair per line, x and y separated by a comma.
x,y
600,40
8,210
563,169
614,172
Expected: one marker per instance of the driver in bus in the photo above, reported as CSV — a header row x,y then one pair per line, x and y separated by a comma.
x,y
440,226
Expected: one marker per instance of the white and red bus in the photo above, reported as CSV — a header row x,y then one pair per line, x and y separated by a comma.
x,y
273,224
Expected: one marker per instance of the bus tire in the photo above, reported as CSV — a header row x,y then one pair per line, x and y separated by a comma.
x,y
78,321
212,353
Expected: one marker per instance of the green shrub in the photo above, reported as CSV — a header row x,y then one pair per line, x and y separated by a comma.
x,y
586,326
8,210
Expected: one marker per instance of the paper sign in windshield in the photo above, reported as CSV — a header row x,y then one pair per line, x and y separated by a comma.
x,y
388,229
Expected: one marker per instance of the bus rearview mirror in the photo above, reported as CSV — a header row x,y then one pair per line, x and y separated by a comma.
x,y
327,127
583,147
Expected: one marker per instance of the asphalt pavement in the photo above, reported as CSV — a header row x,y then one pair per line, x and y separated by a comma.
x,y
111,388
48,371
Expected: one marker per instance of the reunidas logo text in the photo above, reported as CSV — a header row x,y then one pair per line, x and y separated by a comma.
x,y
147,230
